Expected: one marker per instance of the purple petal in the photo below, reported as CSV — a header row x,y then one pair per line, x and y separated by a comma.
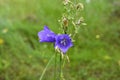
x,y
46,28
63,42
46,35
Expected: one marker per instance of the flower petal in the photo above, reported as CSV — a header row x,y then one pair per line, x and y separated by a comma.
x,y
46,35
63,42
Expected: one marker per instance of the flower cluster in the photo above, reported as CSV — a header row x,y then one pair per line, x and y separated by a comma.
x,y
62,41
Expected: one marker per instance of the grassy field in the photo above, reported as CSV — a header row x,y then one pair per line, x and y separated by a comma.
x,y
96,51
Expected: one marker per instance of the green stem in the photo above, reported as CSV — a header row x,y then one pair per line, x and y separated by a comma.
x,y
60,67
55,66
46,67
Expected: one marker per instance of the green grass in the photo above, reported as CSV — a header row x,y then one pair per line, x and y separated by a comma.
x,y
22,57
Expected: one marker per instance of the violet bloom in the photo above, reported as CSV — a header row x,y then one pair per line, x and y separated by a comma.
x,y
46,35
63,42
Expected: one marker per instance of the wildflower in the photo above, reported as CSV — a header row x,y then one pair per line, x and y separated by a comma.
x,y
46,35
63,42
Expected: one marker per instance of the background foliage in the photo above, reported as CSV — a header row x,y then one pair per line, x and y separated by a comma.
x,y
96,51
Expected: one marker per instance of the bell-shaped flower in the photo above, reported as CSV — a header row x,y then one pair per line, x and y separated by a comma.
x,y
46,35
63,42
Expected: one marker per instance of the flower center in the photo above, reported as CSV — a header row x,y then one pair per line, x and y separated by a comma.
x,y
63,42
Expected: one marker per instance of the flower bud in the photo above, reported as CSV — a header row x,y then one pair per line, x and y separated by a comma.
x,y
65,21
65,2
79,6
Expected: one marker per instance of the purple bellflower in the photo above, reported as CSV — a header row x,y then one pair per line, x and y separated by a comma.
x,y
63,42
46,35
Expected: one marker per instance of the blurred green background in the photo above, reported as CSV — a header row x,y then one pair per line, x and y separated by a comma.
x,y
96,51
